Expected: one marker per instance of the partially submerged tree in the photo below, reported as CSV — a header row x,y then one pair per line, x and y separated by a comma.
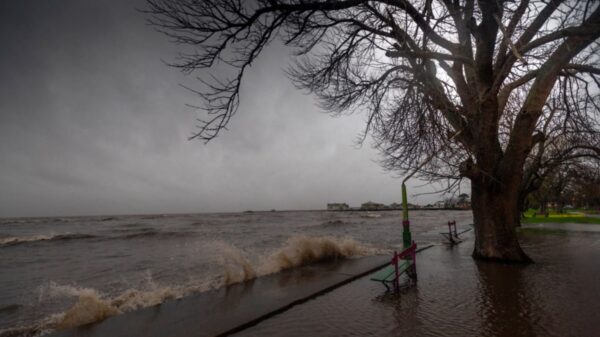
x,y
467,80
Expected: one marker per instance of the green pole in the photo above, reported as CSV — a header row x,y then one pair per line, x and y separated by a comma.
x,y
406,236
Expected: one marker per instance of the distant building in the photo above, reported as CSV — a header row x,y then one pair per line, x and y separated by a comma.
x,y
461,202
338,207
372,206
452,203
396,205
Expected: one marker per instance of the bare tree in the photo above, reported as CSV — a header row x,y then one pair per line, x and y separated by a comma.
x,y
576,184
587,191
569,138
467,80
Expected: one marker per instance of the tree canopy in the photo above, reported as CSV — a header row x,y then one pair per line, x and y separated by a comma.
x,y
467,80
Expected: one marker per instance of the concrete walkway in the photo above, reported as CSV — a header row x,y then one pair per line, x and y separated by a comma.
x,y
228,310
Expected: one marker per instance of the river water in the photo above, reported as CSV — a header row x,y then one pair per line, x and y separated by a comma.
x,y
55,271
61,272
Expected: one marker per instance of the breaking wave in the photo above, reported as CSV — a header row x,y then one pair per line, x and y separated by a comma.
x,y
125,234
236,266
298,251
12,241
93,306
149,233
303,250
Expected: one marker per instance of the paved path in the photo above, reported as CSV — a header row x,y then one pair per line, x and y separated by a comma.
x,y
228,310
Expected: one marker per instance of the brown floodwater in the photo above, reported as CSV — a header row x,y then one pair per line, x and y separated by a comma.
x,y
60,272
559,295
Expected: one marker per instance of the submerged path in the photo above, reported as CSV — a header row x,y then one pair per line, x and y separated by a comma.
x,y
231,309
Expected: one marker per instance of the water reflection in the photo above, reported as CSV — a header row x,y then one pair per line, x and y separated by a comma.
x,y
405,308
457,296
506,306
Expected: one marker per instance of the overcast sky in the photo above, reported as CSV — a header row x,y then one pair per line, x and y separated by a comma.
x,y
93,122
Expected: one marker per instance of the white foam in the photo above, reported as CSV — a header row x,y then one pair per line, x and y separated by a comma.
x,y
21,239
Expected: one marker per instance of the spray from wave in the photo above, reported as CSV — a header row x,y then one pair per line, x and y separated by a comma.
x,y
92,306
236,267
303,250
298,251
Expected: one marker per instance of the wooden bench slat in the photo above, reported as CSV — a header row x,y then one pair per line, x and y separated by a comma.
x,y
388,274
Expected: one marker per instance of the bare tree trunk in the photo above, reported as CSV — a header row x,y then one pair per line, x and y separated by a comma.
x,y
523,205
544,205
494,212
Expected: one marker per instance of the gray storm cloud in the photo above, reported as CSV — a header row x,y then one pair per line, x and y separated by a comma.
x,y
93,122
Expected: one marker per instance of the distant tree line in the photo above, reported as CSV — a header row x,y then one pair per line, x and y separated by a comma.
x,y
576,185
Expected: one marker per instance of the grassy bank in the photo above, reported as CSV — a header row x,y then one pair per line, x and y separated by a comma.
x,y
569,217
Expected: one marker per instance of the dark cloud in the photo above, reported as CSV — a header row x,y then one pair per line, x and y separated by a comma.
x,y
93,122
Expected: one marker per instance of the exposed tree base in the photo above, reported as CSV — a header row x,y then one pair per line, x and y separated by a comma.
x,y
496,214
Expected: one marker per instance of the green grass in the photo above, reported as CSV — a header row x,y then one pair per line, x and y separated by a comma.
x,y
583,220
586,210
570,217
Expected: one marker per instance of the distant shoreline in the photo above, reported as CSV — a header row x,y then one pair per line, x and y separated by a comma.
x,y
227,212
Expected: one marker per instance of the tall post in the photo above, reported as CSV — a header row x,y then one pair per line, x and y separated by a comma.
x,y
406,236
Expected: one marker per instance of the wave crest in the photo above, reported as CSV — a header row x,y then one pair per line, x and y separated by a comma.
x,y
12,241
237,268
298,251
303,250
152,233
91,306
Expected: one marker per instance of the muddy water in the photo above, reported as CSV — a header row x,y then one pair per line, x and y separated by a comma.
x,y
456,296
57,273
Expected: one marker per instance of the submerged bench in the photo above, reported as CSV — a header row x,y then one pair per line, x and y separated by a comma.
x,y
452,235
404,262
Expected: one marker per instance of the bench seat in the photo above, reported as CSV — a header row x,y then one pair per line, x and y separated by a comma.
x,y
388,274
